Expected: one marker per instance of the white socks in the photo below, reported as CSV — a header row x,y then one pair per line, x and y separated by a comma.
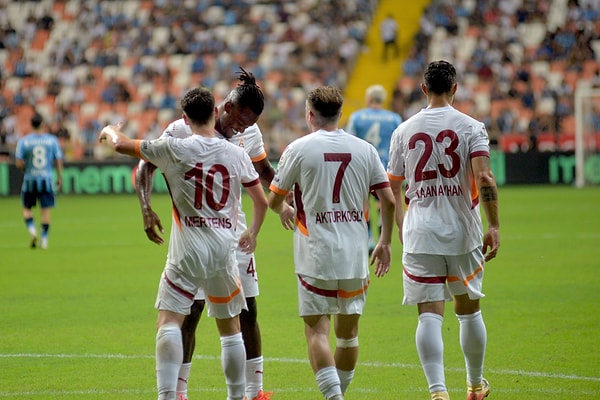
x,y
169,355
430,347
182,380
233,362
345,379
254,377
328,382
473,339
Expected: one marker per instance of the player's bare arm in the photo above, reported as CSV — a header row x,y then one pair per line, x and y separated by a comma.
x,y
247,242
382,253
266,172
396,187
488,197
113,137
287,213
143,188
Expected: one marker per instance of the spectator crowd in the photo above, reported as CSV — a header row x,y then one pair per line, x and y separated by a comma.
x,y
85,63
520,62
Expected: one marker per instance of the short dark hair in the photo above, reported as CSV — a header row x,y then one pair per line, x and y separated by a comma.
x,y
37,120
326,102
198,104
248,94
439,77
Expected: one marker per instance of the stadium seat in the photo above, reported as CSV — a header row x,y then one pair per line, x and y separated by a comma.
x,y
513,143
566,142
546,141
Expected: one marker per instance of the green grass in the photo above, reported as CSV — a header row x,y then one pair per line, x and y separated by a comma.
x,y
77,320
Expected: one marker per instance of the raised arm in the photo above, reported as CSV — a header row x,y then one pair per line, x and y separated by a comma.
x,y
114,138
488,198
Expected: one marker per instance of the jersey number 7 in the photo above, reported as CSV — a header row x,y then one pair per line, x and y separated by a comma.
x,y
344,159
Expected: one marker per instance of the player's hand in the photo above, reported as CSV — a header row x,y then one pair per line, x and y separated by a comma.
x,y
247,242
151,225
382,253
289,198
491,243
287,216
110,132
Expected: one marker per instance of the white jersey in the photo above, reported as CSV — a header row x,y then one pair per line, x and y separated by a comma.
x,y
331,174
204,176
250,140
433,151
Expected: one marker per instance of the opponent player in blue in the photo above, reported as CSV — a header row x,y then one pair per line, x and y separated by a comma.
x,y
37,153
375,125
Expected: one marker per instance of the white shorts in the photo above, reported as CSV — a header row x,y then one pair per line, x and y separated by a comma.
x,y
328,297
248,275
225,295
430,277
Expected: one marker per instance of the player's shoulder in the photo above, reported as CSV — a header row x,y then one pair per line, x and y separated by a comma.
x,y
253,130
231,147
352,139
177,129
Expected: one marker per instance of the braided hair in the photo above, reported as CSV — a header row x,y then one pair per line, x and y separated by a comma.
x,y
248,93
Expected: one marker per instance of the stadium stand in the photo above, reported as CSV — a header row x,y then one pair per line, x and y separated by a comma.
x,y
87,63
520,62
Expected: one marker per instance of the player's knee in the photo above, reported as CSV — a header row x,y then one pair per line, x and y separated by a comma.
x,y
197,308
249,317
463,305
347,343
191,320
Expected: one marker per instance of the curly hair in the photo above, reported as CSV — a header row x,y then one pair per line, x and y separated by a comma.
x,y
248,93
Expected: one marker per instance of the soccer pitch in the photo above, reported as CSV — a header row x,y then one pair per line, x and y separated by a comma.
x,y
78,320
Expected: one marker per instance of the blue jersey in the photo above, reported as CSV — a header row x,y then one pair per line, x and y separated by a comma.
x,y
376,127
39,151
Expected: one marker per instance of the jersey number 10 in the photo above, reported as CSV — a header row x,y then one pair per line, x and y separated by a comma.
x,y
206,186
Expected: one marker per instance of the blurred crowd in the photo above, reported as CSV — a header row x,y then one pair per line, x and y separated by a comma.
x,y
85,63
519,62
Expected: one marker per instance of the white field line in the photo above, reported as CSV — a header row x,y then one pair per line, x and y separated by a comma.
x,y
140,392
533,374
406,391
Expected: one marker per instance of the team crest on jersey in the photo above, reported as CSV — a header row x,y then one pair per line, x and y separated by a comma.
x,y
283,158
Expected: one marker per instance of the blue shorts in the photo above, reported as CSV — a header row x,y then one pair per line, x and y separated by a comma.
x,y
30,198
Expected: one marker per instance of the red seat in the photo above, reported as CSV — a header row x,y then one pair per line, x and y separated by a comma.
x,y
513,143
546,141
566,142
